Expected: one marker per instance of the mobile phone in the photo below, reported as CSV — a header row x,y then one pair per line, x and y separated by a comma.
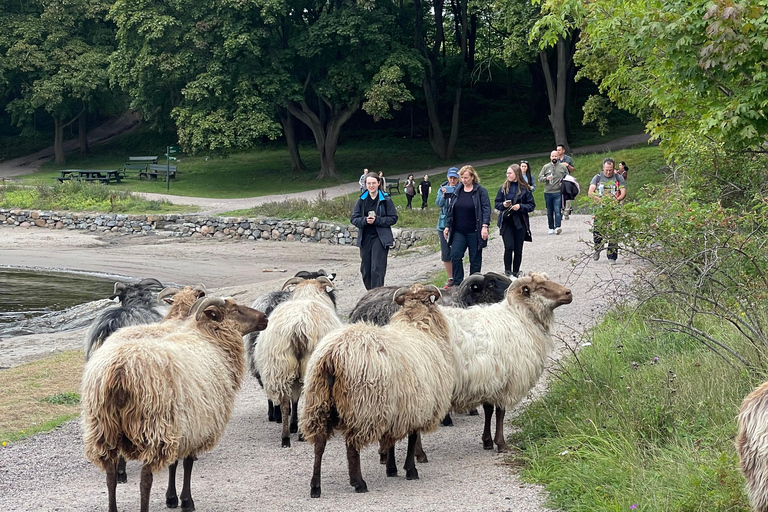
x,y
449,189
371,213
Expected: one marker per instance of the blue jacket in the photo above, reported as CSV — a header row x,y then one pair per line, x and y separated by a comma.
x,y
444,203
386,217
482,210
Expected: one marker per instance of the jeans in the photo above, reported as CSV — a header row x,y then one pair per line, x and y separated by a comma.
x,y
410,198
459,244
553,202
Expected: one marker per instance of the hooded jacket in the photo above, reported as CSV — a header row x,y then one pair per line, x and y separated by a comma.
x,y
386,217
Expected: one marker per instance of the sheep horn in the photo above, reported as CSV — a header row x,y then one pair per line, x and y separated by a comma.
x,y
293,280
200,287
150,282
500,277
201,304
119,288
473,279
324,280
399,292
167,292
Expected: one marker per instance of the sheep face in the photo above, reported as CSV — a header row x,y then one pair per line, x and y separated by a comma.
x,y
538,288
227,312
304,274
181,301
423,294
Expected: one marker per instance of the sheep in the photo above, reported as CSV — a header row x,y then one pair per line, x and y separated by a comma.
x,y
163,397
376,306
751,446
267,303
380,384
500,349
295,328
136,308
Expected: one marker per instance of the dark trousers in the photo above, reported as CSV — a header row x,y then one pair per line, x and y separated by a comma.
x,y
424,198
613,249
373,264
409,198
459,244
513,245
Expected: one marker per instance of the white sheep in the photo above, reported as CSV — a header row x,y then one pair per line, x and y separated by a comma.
x,y
752,446
380,384
165,396
284,347
501,349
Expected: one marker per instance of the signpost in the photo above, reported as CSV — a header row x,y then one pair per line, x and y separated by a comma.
x,y
170,151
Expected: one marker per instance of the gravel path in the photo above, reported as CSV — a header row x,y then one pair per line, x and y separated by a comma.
x,y
249,470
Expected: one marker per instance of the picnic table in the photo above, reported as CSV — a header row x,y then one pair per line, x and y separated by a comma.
x,y
102,175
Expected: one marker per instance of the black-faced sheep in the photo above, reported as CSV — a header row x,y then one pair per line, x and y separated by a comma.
x,y
294,329
160,398
267,303
137,307
752,447
380,384
376,305
501,349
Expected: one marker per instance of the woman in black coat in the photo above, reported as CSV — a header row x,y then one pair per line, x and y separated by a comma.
x,y
514,202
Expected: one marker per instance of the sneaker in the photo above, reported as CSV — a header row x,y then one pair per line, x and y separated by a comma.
x,y
551,232
611,261
507,273
517,275
558,231
449,284
596,256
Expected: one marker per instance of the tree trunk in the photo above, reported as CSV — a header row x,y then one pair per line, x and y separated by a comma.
x,y
58,141
556,92
286,119
82,136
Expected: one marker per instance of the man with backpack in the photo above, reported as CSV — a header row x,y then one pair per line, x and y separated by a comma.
x,y
606,186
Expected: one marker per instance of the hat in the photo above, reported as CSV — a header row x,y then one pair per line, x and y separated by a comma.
x,y
453,172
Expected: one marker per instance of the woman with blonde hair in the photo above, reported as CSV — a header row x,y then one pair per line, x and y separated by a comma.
x,y
514,202
467,223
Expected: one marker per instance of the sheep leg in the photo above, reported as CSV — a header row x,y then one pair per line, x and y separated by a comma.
x,y
314,488
487,441
285,408
187,503
382,453
273,413
501,443
447,421
171,498
146,486
410,466
419,453
294,417
112,486
391,463
122,476
355,474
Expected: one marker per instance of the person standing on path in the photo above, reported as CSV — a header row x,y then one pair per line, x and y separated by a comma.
x,y
374,215
525,172
568,162
466,224
361,181
606,186
410,190
382,182
514,202
425,188
445,202
552,174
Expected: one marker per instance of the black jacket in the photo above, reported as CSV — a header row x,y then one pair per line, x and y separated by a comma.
x,y
525,200
386,217
482,210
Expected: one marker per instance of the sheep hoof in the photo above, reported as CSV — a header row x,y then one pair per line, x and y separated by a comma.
x,y
314,492
487,444
411,474
391,471
502,448
187,505
422,458
122,478
293,429
383,458
172,502
361,487
286,442
474,412
301,437
447,421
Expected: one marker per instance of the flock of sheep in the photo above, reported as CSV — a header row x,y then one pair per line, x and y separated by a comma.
x,y
161,375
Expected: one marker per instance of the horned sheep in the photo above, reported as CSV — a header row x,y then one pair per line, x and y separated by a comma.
x,y
284,347
163,397
500,350
751,445
361,380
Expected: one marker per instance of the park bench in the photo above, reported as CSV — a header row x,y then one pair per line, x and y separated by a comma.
x,y
393,183
153,171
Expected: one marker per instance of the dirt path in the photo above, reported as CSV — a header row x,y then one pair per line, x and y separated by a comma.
x,y
249,470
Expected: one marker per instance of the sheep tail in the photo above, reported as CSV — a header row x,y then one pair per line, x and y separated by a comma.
x,y
319,415
752,446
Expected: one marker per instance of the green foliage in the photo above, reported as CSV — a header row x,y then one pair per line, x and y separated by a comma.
x,y
63,399
596,110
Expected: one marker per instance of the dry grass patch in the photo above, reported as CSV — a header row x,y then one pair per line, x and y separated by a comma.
x,y
38,396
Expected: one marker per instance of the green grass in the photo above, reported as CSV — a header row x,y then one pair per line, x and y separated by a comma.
x,y
641,418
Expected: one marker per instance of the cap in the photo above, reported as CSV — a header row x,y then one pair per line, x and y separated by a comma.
x,y
453,172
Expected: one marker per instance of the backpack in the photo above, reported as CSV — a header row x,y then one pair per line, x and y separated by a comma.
x,y
569,188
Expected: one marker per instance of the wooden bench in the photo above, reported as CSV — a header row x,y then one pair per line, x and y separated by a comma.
x,y
393,183
153,171
133,167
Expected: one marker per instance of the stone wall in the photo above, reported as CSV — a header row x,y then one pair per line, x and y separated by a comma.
x,y
259,228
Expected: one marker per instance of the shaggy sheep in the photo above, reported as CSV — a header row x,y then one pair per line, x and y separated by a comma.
x,y
294,329
267,303
380,384
500,350
376,306
136,307
160,398
751,446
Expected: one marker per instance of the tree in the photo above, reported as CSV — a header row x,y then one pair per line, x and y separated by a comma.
x,y
55,58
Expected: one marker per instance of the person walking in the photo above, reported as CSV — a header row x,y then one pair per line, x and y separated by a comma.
x,y
425,188
525,172
361,181
606,186
445,201
623,170
466,224
514,202
374,215
552,174
410,190
382,182
566,160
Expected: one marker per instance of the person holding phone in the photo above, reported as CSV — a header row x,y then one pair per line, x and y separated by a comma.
x,y
444,196
374,215
514,202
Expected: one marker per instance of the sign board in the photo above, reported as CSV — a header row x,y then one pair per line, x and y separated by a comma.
x,y
172,150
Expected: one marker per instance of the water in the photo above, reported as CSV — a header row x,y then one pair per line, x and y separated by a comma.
x,y
26,293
